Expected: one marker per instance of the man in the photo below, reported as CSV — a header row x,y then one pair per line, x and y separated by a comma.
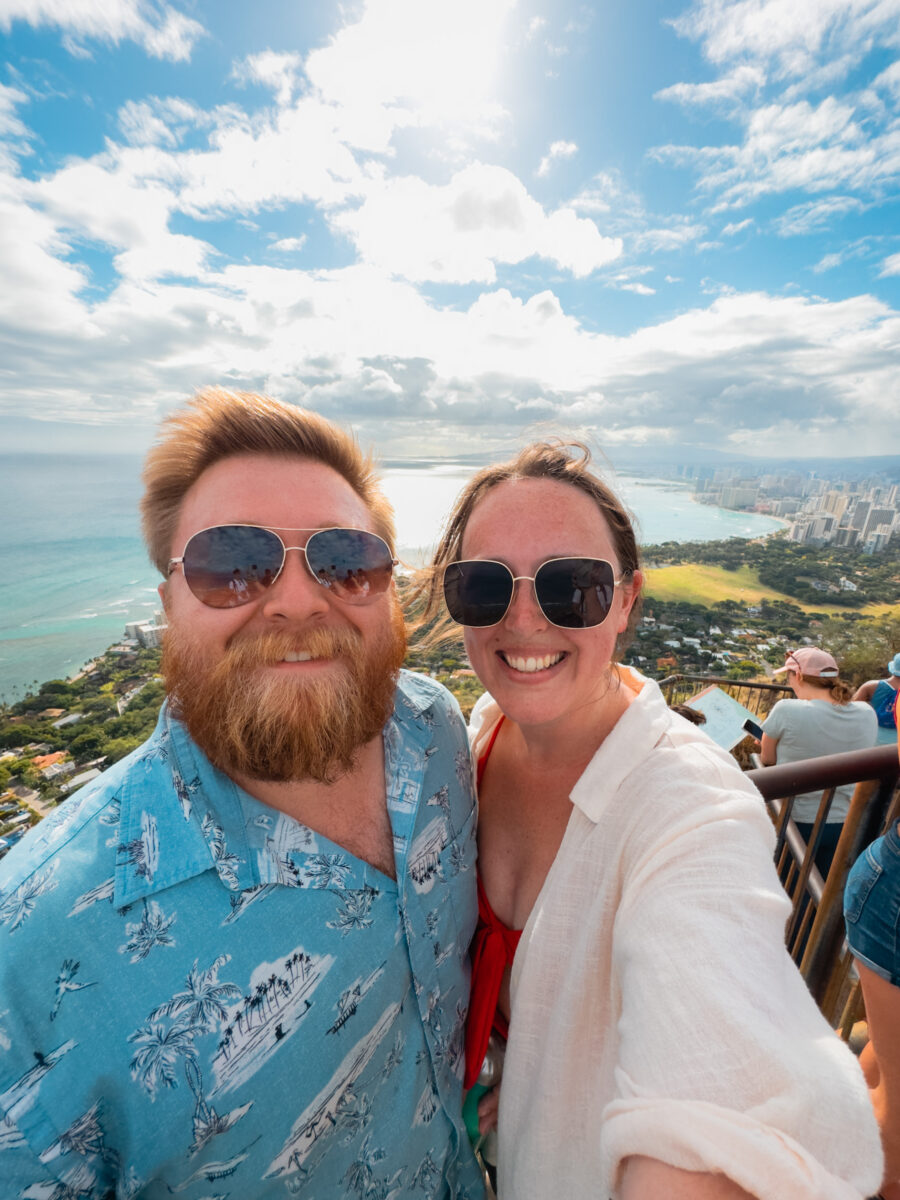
x,y
235,964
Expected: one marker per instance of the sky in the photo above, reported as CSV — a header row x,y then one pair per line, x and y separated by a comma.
x,y
454,224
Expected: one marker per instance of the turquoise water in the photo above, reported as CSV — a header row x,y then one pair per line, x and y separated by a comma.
x,y
73,569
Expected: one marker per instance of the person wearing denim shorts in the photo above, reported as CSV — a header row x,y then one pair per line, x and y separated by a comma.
x,y
872,916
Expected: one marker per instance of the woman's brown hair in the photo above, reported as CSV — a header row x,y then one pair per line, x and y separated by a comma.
x,y
565,462
841,692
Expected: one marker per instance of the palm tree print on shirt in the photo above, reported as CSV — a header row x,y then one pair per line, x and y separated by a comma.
x,y
152,930
278,998
19,904
143,852
65,983
195,1011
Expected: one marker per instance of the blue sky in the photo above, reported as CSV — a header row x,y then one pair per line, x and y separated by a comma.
x,y
452,224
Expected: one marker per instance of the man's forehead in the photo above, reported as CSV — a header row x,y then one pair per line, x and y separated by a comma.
x,y
276,491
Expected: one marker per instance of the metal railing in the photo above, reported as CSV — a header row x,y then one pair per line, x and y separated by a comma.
x,y
757,697
815,930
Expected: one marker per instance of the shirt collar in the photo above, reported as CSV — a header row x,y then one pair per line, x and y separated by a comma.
x,y
630,741
180,816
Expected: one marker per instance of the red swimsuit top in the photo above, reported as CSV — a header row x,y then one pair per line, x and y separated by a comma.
x,y
493,950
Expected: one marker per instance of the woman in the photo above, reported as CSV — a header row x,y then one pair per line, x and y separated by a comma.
x,y
882,695
872,915
660,1041
821,720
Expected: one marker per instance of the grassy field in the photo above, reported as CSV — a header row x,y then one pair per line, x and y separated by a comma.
x,y
702,583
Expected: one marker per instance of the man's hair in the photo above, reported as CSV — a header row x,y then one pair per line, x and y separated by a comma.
x,y
218,424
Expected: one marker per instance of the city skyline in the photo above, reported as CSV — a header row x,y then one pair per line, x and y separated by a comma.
x,y
454,226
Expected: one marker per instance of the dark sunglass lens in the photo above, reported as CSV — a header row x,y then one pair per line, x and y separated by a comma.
x,y
231,564
477,593
353,563
575,593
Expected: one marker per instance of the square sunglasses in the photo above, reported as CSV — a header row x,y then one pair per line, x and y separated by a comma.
x,y
226,566
572,593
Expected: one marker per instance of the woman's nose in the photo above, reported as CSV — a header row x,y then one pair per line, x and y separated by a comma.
x,y
524,612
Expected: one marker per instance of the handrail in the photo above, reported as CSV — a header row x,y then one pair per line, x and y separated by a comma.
x,y
754,684
830,770
875,773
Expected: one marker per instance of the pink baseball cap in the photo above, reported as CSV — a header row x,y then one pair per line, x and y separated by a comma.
x,y
810,660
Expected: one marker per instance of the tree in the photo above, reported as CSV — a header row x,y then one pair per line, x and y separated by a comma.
x,y
87,744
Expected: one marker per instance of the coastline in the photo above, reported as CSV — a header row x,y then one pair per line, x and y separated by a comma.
x,y
53,623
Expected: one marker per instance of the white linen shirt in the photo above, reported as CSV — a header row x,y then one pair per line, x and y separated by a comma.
x,y
655,1010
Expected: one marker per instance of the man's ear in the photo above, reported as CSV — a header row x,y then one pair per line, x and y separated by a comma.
x,y
163,590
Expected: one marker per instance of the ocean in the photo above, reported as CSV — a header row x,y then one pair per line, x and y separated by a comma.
x,y
73,569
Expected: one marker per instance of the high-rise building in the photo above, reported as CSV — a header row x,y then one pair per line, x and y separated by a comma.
x,y
876,518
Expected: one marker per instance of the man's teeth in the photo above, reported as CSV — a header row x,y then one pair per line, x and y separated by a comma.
x,y
530,665
297,656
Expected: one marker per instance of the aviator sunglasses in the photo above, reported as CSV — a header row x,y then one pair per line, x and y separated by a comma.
x,y
573,593
229,565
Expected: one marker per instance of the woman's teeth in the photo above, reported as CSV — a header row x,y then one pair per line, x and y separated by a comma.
x,y
530,665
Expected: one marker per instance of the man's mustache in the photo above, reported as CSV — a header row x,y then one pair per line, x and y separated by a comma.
x,y
267,649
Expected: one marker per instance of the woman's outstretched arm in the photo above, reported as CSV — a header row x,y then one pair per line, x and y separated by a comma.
x,y
644,1178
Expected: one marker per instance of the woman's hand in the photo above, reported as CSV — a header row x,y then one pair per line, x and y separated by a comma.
x,y
488,1107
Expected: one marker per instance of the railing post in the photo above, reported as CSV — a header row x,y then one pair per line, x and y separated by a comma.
x,y
862,825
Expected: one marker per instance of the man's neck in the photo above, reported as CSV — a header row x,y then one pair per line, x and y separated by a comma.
x,y
351,811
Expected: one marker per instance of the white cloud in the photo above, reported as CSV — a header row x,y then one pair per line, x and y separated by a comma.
x,y
427,63
680,233
10,125
736,227
736,85
815,215
163,31
126,209
279,71
641,289
793,36
608,192
791,147
557,151
891,265
457,232
289,245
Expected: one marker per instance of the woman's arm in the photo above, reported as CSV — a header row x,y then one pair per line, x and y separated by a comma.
x,y
769,753
647,1178
883,1013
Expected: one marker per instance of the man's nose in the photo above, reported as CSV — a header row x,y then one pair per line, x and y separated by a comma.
x,y
295,594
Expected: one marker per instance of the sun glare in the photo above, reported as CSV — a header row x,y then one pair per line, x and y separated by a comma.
x,y
441,60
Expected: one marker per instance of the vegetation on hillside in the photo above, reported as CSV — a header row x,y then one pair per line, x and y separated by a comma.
x,y
810,574
740,635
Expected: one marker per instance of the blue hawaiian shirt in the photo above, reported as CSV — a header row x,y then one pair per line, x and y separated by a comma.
x,y
200,996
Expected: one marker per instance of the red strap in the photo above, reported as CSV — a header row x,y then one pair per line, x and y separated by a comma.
x,y
493,950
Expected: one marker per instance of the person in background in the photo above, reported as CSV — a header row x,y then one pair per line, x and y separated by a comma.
x,y
882,695
237,961
821,720
872,917
661,1042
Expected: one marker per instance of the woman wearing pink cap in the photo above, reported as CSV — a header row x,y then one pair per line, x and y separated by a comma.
x,y
822,720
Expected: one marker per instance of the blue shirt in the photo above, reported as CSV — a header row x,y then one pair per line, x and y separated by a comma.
x,y
200,995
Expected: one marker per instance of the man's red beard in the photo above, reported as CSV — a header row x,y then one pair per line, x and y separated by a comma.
x,y
264,724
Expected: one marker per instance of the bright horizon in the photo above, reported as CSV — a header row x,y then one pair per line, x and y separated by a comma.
x,y
451,225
